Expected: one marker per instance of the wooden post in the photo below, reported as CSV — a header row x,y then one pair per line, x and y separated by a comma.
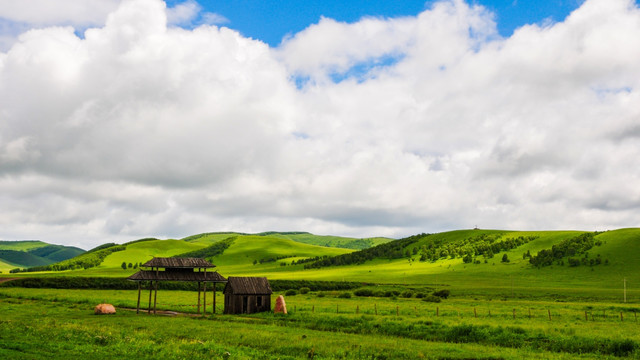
x,y
357,309
529,313
397,311
604,314
621,317
475,313
155,298
204,293
336,308
139,289
549,311
489,312
313,308
437,311
635,315
375,307
150,293
198,297
514,314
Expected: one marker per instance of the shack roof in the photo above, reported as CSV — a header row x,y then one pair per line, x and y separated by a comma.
x,y
178,263
247,286
146,275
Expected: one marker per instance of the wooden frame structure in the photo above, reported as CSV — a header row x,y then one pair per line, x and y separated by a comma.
x,y
177,269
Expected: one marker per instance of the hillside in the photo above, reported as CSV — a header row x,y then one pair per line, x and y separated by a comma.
x,y
462,259
24,254
328,240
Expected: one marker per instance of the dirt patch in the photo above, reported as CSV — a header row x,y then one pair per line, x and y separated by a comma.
x,y
8,279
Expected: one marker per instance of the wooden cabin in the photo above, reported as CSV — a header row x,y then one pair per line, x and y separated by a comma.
x,y
247,295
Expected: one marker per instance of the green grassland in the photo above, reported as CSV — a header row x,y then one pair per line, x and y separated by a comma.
x,y
497,310
51,323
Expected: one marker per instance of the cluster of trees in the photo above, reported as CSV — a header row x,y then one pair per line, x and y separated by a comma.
x,y
569,248
485,245
210,251
390,250
87,260
273,259
124,265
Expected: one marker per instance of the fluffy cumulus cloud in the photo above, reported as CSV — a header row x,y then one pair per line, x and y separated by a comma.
x,y
137,127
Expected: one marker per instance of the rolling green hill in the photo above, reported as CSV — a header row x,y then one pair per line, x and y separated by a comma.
x,y
328,240
471,260
24,254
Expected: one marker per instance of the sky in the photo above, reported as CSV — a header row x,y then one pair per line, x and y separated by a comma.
x,y
124,119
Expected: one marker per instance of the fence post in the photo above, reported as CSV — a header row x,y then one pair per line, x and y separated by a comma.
x,y
357,309
621,317
549,311
475,313
313,308
514,314
375,307
397,311
336,308
437,311
489,312
529,313
635,315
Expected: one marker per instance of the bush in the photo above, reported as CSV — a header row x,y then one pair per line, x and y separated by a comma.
x,y
379,293
363,292
431,298
420,295
407,294
345,295
304,290
321,295
442,293
291,292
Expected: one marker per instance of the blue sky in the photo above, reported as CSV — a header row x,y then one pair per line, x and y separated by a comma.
x,y
270,21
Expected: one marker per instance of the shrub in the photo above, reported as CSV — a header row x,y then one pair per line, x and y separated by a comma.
x,y
379,293
444,293
431,298
291,292
345,295
407,294
363,292
304,290
321,295
505,258
420,295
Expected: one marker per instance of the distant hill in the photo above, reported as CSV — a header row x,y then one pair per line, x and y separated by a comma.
x,y
29,253
328,240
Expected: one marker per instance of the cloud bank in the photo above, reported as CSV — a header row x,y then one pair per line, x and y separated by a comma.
x,y
383,127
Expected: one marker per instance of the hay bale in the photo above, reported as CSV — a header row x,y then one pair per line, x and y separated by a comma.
x,y
104,309
281,306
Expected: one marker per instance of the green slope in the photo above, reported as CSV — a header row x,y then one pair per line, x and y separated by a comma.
x,y
328,240
22,258
22,245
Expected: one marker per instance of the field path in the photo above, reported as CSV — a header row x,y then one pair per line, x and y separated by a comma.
x,y
8,279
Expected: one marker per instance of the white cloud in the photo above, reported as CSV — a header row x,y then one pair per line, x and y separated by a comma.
x,y
143,129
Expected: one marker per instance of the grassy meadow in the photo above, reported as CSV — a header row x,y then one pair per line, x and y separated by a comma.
x,y
497,309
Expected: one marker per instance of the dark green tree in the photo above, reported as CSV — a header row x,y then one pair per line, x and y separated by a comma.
x,y
505,258
124,265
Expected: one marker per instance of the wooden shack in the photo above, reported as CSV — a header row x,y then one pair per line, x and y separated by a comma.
x,y
247,295
177,269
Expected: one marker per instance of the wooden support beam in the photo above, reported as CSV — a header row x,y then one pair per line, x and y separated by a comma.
x,y
139,289
204,294
198,297
150,292
155,298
